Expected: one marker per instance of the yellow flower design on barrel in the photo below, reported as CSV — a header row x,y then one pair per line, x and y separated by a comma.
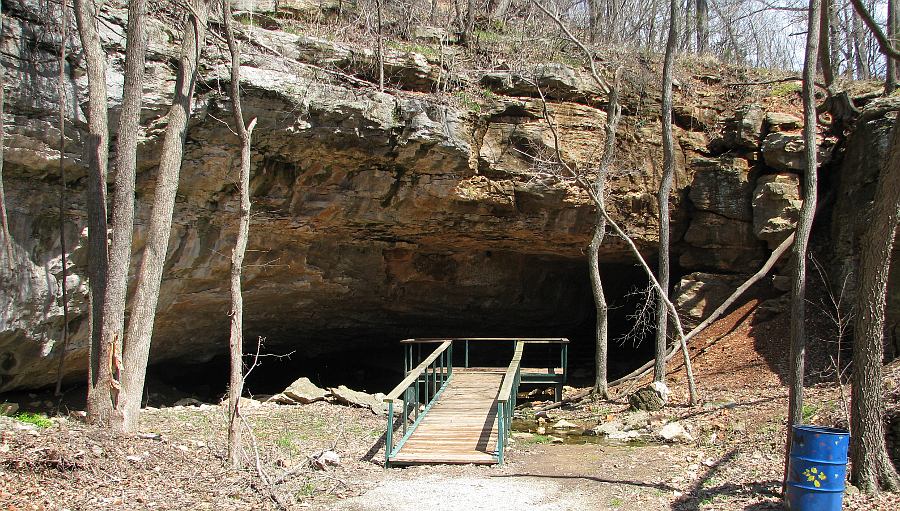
x,y
815,476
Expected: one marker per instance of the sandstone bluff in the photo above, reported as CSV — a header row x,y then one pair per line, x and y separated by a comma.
x,y
408,212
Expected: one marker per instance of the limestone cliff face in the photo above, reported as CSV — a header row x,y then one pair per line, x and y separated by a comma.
x,y
375,215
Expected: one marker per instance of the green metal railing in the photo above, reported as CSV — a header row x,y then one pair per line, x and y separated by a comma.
x,y
425,382
506,400
428,380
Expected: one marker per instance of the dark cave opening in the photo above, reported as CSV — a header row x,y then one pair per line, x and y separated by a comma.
x,y
372,360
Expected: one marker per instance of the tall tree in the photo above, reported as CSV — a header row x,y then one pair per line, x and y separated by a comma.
x,y
236,339
665,190
4,223
102,359
872,469
804,227
702,18
140,324
892,73
63,199
613,113
122,221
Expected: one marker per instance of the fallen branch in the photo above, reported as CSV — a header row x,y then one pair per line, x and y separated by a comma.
x,y
716,314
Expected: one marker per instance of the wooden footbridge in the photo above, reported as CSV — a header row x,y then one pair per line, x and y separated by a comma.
x,y
451,413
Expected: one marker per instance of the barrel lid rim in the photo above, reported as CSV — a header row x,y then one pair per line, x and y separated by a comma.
x,y
821,429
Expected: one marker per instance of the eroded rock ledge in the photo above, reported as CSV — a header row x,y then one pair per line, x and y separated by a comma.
x,y
375,215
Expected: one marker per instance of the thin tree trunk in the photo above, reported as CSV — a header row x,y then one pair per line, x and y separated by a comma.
x,y
665,190
871,468
122,222
860,49
140,324
4,222
702,14
825,42
470,23
613,113
804,227
236,339
63,199
380,47
100,384
891,71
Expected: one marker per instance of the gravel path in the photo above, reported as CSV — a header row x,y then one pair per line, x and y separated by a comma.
x,y
467,494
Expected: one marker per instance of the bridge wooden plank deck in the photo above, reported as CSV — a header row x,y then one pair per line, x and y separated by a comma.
x,y
461,426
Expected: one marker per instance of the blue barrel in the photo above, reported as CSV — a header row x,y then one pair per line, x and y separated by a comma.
x,y
818,468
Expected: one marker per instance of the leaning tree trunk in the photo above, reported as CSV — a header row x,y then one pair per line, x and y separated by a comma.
x,y
804,227
102,358
236,339
122,222
140,324
665,190
871,468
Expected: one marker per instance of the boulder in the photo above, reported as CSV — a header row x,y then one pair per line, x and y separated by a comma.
x,y
778,121
303,391
374,402
8,408
607,428
776,207
646,398
784,151
722,186
556,81
564,424
744,130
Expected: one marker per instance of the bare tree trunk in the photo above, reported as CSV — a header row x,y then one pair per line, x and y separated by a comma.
x,y
893,25
63,199
872,469
236,340
665,190
702,14
102,359
613,113
804,226
470,23
122,222
4,222
499,10
861,51
380,47
140,324
825,43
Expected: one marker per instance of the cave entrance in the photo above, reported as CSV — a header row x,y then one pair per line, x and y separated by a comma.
x,y
556,301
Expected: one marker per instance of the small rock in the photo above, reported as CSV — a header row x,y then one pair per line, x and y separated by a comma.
x,y
646,398
624,435
541,415
150,436
564,424
521,435
635,420
541,430
133,458
675,432
325,459
188,401
607,428
556,440
9,409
